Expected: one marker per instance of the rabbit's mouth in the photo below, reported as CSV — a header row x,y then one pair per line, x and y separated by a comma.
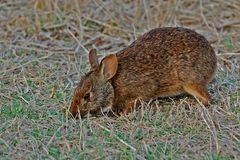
x,y
77,115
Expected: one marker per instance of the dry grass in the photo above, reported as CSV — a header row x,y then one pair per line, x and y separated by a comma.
x,y
43,47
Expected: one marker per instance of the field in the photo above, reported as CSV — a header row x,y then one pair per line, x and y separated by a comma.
x,y
43,53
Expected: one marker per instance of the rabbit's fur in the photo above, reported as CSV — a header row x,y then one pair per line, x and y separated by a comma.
x,y
163,62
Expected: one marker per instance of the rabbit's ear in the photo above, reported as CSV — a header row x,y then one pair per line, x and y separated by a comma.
x,y
93,59
108,66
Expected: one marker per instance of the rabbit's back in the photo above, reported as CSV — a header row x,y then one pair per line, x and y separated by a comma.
x,y
161,61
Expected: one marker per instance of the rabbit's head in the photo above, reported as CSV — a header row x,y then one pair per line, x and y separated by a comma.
x,y
95,94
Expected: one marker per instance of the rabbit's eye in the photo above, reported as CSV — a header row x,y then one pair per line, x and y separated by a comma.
x,y
86,97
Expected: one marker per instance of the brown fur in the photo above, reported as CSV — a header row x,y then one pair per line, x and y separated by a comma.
x,y
163,62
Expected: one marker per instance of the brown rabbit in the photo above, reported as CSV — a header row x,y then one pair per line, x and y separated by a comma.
x,y
163,62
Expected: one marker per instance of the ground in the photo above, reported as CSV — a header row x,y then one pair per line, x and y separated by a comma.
x,y
44,46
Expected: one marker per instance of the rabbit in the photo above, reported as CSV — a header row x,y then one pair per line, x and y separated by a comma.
x,y
163,62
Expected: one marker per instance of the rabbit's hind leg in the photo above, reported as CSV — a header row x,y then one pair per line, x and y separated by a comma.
x,y
200,91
